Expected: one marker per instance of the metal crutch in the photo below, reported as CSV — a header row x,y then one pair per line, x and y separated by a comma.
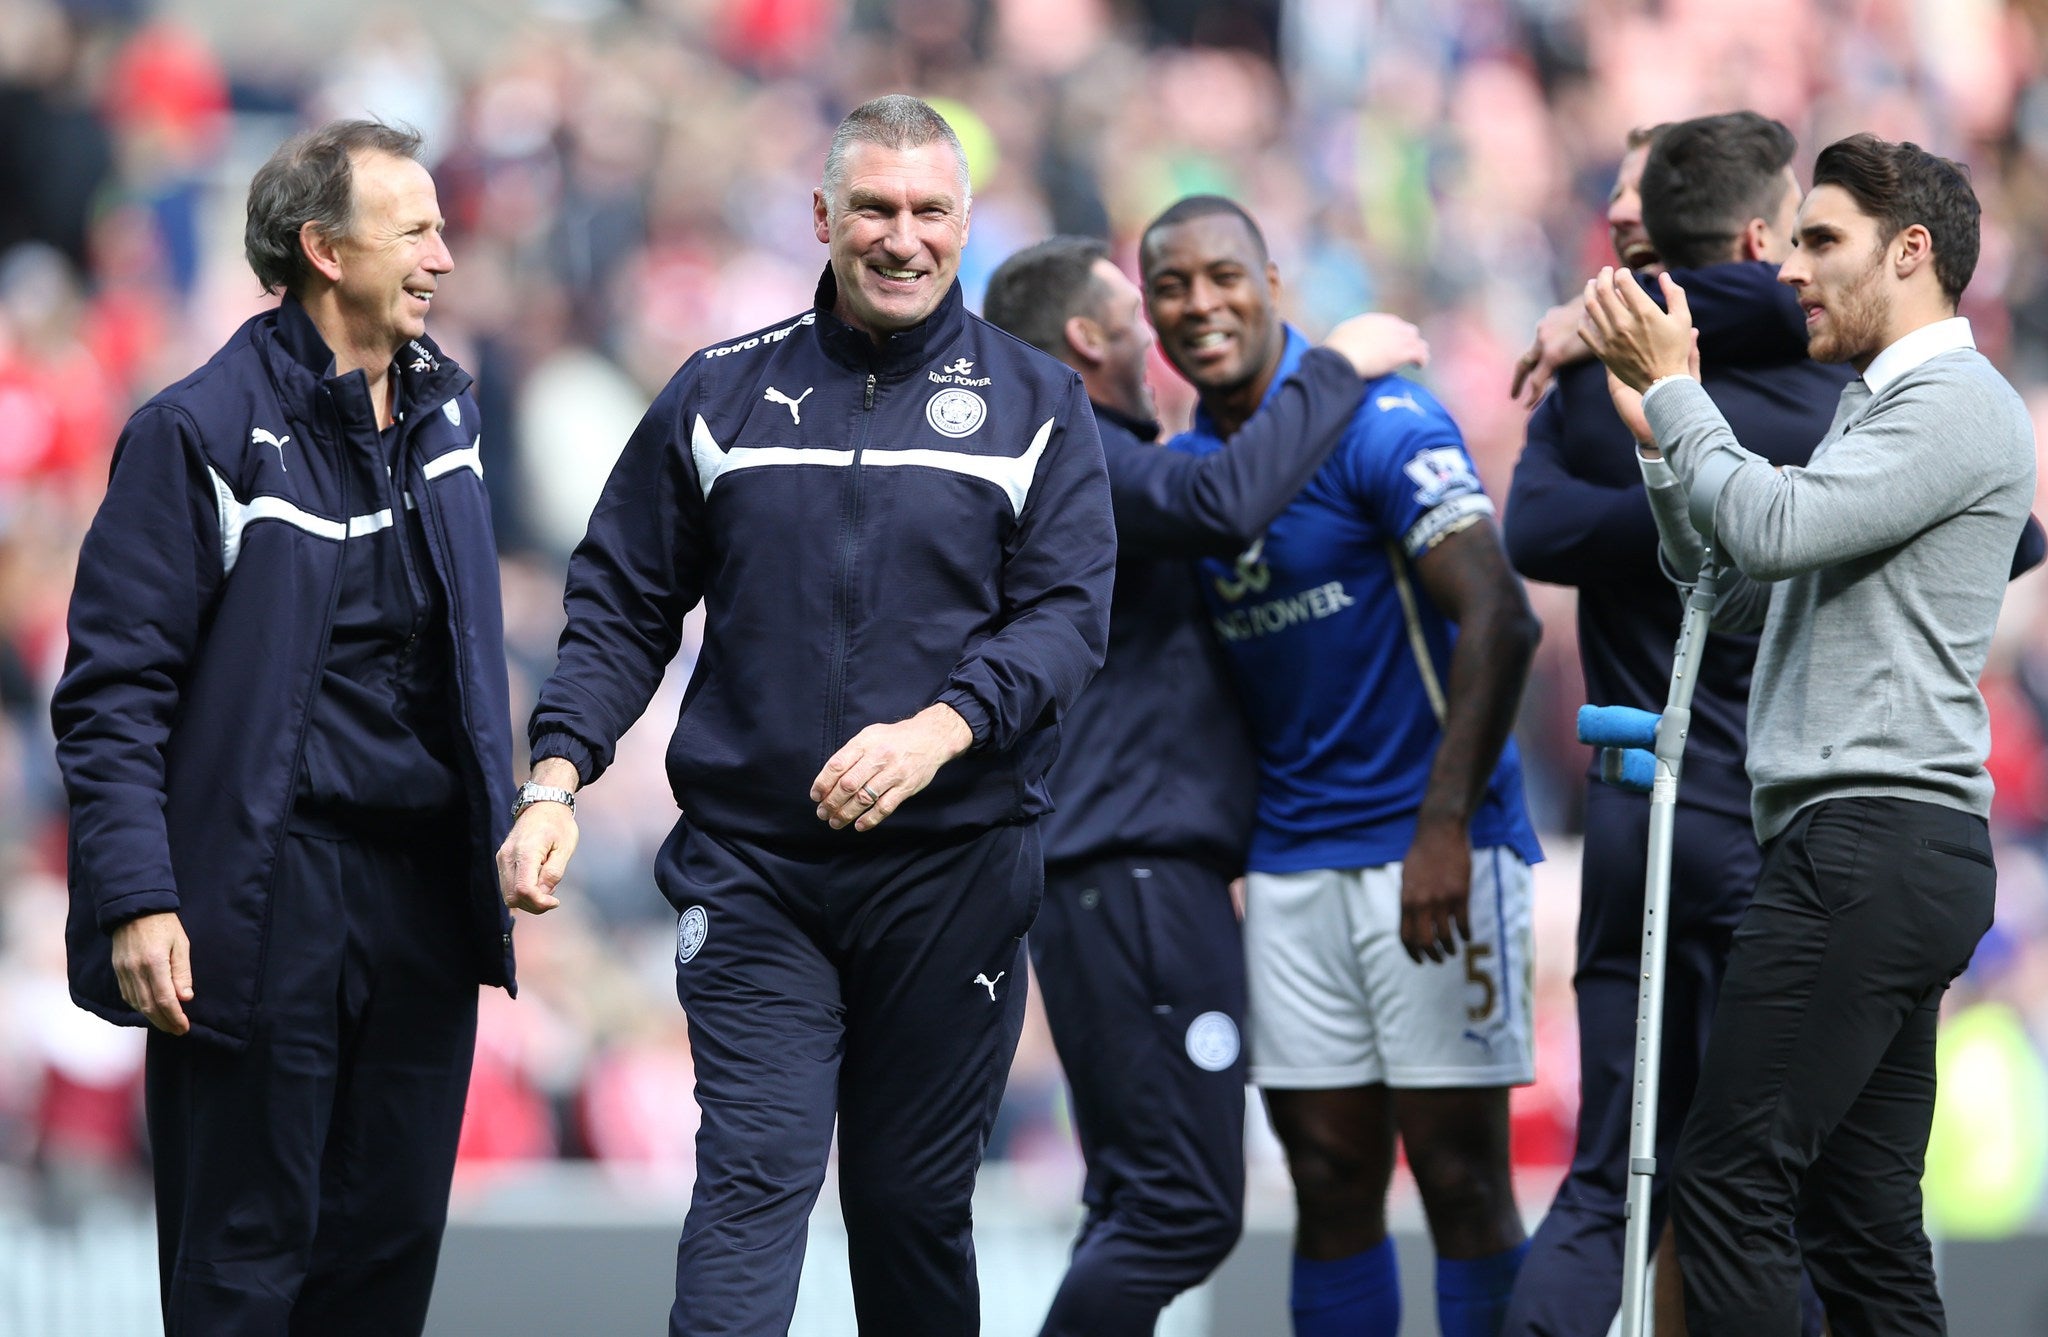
x,y
1643,751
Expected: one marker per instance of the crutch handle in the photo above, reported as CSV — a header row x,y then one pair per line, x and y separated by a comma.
x,y
1617,726
1628,768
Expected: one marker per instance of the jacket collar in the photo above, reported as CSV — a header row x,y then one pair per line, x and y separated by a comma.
x,y
1746,318
1145,429
302,362
898,354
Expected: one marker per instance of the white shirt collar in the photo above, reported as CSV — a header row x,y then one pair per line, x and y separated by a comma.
x,y
1909,351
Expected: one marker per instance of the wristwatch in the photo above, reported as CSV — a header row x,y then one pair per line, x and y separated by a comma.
x,y
531,793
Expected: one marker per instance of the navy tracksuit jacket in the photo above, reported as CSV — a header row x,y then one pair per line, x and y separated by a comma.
x,y
871,529
1137,947
929,523
1577,515
336,954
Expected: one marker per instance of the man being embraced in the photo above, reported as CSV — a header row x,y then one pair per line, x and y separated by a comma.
x,y
1379,641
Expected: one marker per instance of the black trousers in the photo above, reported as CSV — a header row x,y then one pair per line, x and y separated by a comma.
x,y
882,983
1570,1284
1809,1132
1141,968
302,1184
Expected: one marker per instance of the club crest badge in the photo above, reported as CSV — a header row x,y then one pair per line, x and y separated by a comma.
x,y
1212,1041
690,930
955,413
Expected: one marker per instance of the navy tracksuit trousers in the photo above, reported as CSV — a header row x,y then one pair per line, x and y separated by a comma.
x,y
1140,965
302,1184
880,982
1570,1284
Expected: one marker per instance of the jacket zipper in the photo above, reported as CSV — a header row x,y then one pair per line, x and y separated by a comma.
x,y
306,712
441,555
842,604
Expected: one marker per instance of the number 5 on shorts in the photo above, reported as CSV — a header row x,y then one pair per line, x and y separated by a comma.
x,y
1479,973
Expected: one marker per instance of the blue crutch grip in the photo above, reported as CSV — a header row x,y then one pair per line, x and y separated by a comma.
x,y
1628,768
1617,726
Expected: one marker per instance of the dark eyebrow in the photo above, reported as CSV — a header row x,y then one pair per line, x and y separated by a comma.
x,y
1814,232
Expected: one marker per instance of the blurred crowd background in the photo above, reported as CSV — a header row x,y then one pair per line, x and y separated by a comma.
x,y
629,180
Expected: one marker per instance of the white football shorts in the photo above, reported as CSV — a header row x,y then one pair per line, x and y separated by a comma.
x,y
1336,1002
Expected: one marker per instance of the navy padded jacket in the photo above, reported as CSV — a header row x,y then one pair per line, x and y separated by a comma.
x,y
199,622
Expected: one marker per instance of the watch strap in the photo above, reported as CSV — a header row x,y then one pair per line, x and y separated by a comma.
x,y
531,793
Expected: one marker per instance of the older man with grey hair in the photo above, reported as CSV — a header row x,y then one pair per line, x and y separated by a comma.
x,y
283,727
897,520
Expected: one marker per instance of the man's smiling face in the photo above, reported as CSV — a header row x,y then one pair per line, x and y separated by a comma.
x,y
896,233
393,256
1214,298
1625,213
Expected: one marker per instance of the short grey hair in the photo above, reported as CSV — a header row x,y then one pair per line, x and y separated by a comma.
x,y
897,121
310,180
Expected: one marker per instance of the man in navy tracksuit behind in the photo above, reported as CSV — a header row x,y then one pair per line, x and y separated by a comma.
x,y
1137,948
283,726
897,519
1718,202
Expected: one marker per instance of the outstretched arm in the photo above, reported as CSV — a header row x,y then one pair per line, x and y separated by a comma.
x,y
1170,504
1563,527
1556,346
631,580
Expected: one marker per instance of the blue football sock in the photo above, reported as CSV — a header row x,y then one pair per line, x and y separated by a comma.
x,y
1359,1296
1472,1293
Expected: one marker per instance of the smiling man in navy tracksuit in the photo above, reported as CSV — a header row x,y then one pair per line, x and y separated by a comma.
x,y
897,519
283,729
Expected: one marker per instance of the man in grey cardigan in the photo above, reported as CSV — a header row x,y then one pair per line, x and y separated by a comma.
x,y
1875,573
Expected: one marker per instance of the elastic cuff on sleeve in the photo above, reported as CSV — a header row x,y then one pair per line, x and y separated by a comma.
x,y
1659,384
970,709
1658,472
134,905
570,748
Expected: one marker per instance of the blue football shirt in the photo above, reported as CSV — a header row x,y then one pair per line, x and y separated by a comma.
x,y
1338,652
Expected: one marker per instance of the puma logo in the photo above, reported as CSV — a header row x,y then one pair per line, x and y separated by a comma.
x,y
796,415
259,437
985,982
